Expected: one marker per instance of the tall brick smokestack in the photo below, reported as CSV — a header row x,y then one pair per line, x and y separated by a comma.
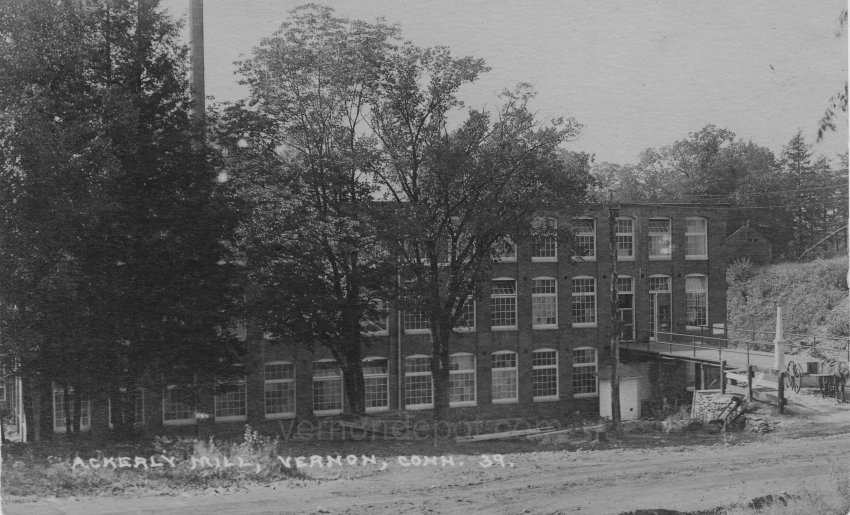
x,y
196,56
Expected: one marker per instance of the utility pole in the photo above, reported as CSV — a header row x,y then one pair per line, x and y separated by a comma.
x,y
613,213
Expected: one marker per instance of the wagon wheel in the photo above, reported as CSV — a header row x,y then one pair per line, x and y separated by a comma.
x,y
793,376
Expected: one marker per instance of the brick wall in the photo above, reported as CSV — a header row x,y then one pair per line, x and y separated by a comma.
x,y
483,342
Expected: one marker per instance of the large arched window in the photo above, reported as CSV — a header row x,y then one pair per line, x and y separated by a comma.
x,y
418,382
544,375
584,230
546,242
584,372
230,402
504,377
377,380
660,242
696,234
584,301
544,303
327,387
279,389
462,379
503,304
625,238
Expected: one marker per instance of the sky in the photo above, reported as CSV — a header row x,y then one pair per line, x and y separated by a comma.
x,y
635,73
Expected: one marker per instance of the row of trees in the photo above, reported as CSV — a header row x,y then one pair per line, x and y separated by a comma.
x,y
128,249
351,176
795,199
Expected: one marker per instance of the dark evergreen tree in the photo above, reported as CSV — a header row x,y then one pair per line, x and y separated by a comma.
x,y
113,269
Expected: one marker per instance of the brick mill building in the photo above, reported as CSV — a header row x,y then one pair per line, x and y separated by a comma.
x,y
532,345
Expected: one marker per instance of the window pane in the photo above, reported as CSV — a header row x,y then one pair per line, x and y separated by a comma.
x,y
420,364
584,301
231,403
280,398
545,382
417,381
542,358
695,284
462,362
412,321
461,378
696,225
659,226
177,403
504,287
375,366
696,234
585,237
327,394
659,284
584,371
504,384
503,303
275,371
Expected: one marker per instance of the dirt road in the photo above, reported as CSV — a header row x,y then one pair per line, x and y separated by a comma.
x,y
604,482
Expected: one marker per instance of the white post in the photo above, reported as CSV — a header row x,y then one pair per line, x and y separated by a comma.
x,y
779,343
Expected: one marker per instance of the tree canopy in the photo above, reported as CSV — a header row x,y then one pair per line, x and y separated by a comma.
x,y
112,268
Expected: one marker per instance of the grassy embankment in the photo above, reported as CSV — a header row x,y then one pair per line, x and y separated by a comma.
x,y
813,297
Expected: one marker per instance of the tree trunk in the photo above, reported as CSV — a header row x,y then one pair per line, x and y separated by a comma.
x,y
353,381
440,371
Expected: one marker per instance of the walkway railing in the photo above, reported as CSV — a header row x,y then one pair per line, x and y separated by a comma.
x,y
701,347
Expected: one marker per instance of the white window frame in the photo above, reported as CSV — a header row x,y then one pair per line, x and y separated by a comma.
x,y
428,374
704,294
702,235
178,421
376,376
537,297
575,295
85,411
221,400
595,374
327,379
468,306
374,328
510,372
622,237
630,336
453,374
501,296
589,234
546,366
509,257
665,237
408,315
653,301
287,380
546,242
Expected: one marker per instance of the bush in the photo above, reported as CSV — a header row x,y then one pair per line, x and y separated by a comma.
x,y
56,475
